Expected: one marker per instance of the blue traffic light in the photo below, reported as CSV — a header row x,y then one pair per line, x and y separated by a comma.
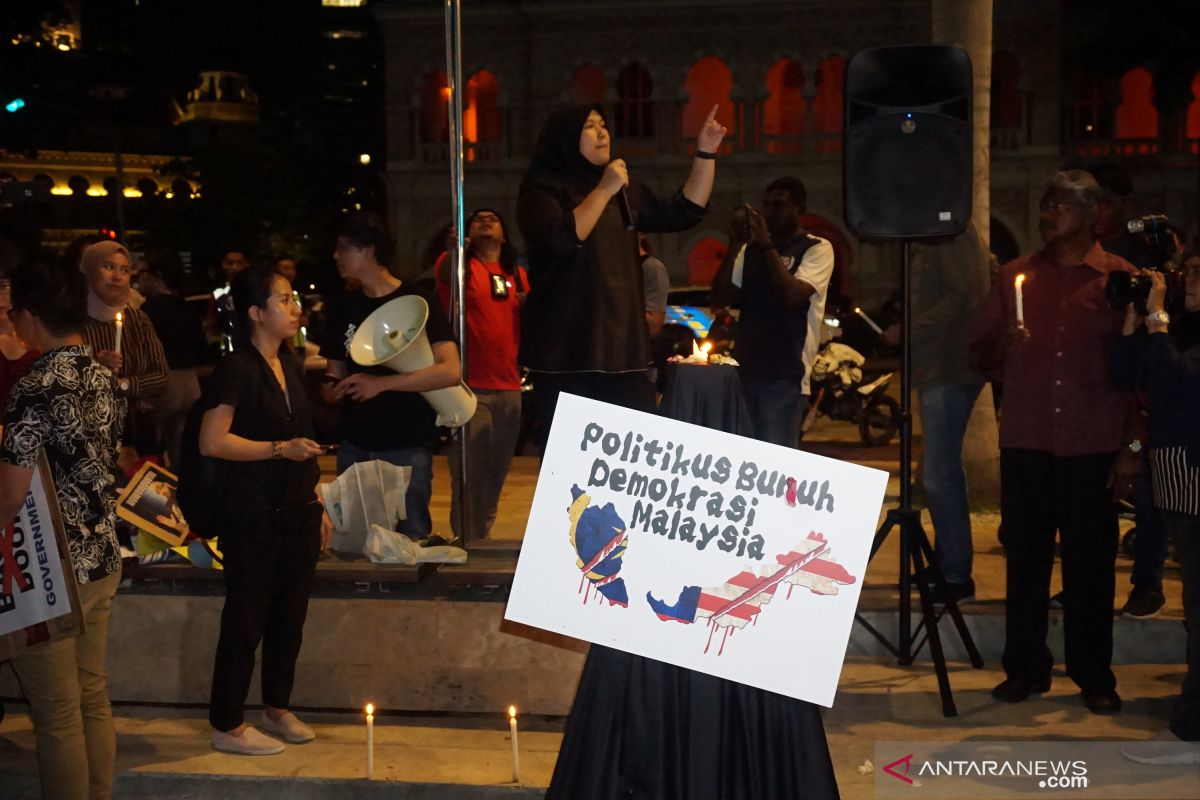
x,y
14,105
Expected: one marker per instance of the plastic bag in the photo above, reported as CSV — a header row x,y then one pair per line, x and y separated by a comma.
x,y
368,493
385,546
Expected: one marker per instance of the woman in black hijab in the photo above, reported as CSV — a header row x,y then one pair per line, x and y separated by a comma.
x,y
584,328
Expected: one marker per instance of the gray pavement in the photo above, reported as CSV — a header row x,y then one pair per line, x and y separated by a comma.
x,y
165,752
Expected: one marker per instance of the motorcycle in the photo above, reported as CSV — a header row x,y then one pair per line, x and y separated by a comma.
x,y
839,393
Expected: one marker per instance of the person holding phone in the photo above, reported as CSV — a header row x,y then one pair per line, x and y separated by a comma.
x,y
780,273
260,427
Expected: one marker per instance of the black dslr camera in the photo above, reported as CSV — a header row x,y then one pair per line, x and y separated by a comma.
x,y
1160,236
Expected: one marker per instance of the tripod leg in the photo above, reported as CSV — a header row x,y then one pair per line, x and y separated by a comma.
x,y
951,604
889,522
931,626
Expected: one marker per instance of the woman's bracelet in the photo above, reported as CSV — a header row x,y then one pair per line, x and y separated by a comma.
x,y
706,155
276,449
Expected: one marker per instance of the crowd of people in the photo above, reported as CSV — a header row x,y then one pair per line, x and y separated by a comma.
x,y
95,370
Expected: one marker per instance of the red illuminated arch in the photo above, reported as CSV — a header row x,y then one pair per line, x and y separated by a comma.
x,y
785,111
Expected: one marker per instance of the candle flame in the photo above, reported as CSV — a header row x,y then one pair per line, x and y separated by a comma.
x,y
120,317
857,310
370,709
1019,279
512,712
706,347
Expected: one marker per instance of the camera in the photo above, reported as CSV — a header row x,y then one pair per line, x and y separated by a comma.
x,y
1123,288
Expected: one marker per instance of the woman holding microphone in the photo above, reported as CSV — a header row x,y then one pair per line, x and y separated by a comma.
x,y
580,214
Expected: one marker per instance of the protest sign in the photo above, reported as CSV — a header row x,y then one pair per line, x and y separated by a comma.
x,y
699,548
39,600
149,502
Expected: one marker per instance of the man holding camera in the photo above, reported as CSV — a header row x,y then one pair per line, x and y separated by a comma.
x,y
781,274
1063,423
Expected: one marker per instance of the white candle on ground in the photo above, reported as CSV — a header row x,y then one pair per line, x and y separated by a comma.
x,y
370,741
512,727
868,320
120,324
1018,282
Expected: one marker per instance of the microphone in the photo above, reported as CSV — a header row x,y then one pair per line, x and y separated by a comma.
x,y
626,211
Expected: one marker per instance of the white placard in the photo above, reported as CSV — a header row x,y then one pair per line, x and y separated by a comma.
x,y
32,587
699,548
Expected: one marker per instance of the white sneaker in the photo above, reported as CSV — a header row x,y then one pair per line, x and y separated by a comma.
x,y
1164,750
250,742
288,727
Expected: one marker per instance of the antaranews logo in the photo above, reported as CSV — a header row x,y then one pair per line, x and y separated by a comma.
x,y
1050,774
906,761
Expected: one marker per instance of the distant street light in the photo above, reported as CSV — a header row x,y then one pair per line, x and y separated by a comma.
x,y
14,105
363,159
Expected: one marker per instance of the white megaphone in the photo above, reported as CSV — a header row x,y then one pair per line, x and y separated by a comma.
x,y
394,336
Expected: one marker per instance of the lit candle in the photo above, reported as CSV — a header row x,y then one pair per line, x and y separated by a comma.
x,y
706,348
370,741
1017,284
868,320
512,727
120,325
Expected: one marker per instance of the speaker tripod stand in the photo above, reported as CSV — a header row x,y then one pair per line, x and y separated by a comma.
x,y
916,555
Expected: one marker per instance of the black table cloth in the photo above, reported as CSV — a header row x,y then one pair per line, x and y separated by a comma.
x,y
641,729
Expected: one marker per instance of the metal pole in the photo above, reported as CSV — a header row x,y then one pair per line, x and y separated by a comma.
x,y
119,164
457,265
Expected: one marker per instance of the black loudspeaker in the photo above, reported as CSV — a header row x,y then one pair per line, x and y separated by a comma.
x,y
907,166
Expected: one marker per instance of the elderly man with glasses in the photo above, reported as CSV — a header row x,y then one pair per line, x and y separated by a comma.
x,y
1045,332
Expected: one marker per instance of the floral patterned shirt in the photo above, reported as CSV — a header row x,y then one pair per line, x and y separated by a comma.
x,y
66,404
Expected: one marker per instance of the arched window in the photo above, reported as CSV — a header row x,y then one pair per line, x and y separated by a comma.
x,y
785,110
703,260
1091,110
1137,118
588,86
708,83
1193,115
1003,243
481,113
1008,108
827,105
635,110
435,107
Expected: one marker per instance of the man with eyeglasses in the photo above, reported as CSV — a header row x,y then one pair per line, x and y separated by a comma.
x,y
1062,425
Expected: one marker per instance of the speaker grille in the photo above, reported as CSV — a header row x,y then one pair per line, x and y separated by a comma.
x,y
903,185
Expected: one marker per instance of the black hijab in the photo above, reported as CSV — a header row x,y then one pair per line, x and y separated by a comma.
x,y
557,162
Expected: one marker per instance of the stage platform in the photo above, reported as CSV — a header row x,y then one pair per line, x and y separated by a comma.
x,y
432,638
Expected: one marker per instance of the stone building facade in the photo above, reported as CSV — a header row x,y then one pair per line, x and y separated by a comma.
x,y
776,69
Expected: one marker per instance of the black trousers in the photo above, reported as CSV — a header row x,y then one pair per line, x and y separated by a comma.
x,y
1040,494
269,560
627,389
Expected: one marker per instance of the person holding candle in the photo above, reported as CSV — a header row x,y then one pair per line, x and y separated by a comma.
x,y
1063,423
259,425
781,273
137,360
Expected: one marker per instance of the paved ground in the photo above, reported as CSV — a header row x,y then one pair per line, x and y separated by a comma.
x,y
876,702
165,753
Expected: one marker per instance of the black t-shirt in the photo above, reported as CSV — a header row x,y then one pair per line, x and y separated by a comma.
x,y
390,420
261,413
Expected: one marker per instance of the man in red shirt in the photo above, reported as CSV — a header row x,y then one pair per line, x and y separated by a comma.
x,y
494,289
1062,426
